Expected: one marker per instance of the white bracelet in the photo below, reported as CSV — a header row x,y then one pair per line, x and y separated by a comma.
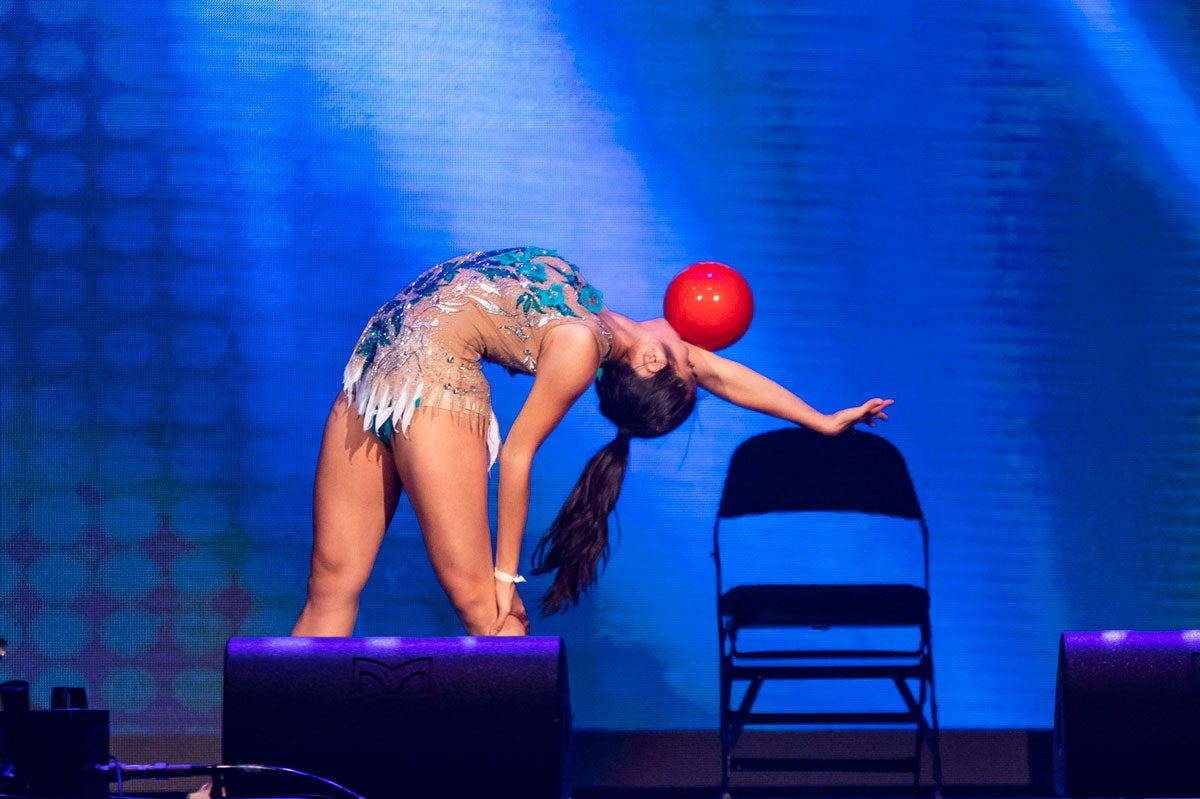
x,y
505,577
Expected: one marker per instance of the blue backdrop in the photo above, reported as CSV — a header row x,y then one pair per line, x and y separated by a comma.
x,y
988,211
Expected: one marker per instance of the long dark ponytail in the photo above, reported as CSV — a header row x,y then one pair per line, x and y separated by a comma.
x,y
577,542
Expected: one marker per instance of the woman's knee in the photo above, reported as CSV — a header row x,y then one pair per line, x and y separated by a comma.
x,y
474,604
335,578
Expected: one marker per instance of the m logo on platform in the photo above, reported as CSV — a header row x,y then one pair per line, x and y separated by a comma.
x,y
374,679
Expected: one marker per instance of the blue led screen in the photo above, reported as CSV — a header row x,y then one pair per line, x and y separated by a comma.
x,y
988,211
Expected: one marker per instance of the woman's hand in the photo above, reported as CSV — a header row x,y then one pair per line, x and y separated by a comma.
x,y
866,413
508,605
505,592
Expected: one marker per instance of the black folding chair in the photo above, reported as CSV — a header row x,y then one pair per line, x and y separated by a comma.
x,y
796,470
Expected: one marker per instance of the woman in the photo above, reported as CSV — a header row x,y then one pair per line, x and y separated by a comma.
x,y
416,415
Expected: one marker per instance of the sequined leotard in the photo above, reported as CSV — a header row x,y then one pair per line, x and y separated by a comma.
x,y
423,348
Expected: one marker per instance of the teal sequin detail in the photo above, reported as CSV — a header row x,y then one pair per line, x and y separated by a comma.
x,y
380,333
591,299
537,300
545,289
533,271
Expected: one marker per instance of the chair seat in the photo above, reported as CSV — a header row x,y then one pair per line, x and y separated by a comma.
x,y
824,605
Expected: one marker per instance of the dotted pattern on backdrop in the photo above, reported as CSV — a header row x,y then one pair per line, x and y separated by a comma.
x,y
963,182
120,546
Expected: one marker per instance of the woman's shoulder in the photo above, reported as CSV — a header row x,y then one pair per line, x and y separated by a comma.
x,y
587,334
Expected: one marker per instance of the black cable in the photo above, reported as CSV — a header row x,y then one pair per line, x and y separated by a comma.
x,y
162,771
117,766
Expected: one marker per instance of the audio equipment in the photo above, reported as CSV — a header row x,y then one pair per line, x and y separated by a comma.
x,y
403,718
1127,714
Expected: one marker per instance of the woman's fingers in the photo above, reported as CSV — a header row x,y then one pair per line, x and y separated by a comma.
x,y
874,409
504,595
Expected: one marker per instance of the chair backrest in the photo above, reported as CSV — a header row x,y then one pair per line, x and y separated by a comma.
x,y
797,469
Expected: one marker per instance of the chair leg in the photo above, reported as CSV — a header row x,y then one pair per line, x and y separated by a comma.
x,y
726,731
935,730
726,752
935,741
920,741
927,732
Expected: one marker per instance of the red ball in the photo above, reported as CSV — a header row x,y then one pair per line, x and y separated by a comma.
x,y
709,304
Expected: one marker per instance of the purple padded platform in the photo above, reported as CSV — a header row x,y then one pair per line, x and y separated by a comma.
x,y
1127,714
401,718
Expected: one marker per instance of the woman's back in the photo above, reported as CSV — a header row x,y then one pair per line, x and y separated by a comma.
x,y
422,349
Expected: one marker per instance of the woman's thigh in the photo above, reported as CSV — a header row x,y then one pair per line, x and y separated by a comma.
x,y
354,496
442,461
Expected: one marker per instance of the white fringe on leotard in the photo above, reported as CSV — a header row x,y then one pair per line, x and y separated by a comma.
x,y
379,400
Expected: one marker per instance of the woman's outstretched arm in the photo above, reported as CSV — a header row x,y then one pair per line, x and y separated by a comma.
x,y
745,387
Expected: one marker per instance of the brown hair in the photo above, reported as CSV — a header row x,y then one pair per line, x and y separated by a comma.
x,y
577,541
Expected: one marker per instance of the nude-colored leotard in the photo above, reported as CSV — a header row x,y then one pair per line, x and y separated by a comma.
x,y
422,350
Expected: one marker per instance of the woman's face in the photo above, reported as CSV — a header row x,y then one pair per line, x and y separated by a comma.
x,y
661,347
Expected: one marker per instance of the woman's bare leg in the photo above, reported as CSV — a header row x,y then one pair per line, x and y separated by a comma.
x,y
354,496
443,465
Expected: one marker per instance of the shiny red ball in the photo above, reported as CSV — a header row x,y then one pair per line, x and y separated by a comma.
x,y
709,304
